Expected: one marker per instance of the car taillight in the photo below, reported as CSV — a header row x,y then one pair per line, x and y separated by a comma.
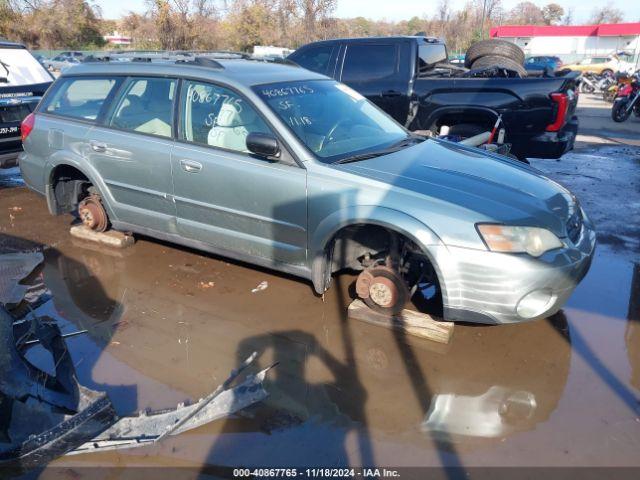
x,y
27,126
562,102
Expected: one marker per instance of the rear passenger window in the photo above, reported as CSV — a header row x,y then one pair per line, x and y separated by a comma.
x,y
316,59
146,106
79,97
369,62
218,117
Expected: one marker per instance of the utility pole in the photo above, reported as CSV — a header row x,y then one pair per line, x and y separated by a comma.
x,y
484,9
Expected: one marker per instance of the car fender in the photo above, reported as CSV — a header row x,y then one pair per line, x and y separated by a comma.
x,y
400,222
78,162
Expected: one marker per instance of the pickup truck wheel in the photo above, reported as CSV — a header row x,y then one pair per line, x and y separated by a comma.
x,y
501,48
383,290
92,213
501,62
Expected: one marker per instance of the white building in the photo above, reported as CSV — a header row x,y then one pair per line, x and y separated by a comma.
x,y
574,42
116,39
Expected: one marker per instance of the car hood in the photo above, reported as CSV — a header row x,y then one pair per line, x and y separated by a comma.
x,y
497,188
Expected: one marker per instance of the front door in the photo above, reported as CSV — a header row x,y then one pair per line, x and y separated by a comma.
x,y
225,196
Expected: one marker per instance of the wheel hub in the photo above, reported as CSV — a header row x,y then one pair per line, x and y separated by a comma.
x,y
383,292
92,214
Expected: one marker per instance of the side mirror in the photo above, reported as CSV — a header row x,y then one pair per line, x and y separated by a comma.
x,y
263,144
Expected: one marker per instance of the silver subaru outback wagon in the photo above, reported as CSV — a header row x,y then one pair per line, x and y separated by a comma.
x,y
284,168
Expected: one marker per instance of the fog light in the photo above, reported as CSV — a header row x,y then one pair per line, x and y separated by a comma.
x,y
534,303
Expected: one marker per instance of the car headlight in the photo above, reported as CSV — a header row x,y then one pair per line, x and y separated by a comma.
x,y
532,240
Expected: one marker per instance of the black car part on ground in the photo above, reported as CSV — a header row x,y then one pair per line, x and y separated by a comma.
x,y
538,113
44,415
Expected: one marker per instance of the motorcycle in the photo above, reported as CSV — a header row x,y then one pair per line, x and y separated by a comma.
x,y
627,100
594,83
621,79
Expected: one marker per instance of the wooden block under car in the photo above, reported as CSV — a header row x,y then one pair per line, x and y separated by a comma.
x,y
110,238
409,321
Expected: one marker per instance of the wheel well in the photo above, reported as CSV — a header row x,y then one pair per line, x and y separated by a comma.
x,y
359,246
68,185
484,120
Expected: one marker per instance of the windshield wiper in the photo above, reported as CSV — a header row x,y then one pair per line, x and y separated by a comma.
x,y
405,142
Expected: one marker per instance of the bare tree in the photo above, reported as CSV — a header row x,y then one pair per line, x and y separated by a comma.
x,y
313,11
606,14
526,13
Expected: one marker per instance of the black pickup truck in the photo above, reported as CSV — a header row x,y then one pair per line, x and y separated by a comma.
x,y
23,81
410,78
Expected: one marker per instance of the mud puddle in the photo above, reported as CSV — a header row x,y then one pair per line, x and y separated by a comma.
x,y
165,324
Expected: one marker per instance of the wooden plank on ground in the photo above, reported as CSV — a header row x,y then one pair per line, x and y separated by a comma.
x,y
110,238
409,321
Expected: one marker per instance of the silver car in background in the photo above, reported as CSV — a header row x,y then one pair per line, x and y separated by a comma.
x,y
285,168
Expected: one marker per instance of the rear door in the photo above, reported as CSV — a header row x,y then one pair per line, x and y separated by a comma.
x,y
241,204
381,71
131,151
68,112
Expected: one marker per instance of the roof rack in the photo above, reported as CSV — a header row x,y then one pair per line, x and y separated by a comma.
x,y
202,62
160,57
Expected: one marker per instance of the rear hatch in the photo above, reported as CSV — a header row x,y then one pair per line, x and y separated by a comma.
x,y
23,81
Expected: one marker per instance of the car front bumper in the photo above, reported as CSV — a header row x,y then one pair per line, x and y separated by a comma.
x,y
495,288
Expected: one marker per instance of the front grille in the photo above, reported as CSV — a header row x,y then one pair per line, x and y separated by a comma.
x,y
574,225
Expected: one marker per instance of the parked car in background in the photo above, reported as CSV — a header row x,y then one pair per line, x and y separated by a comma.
x,y
23,81
606,65
61,62
541,63
285,168
411,79
73,53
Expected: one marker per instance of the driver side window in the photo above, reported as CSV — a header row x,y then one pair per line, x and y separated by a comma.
x,y
218,117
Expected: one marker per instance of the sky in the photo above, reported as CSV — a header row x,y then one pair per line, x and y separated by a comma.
x,y
405,9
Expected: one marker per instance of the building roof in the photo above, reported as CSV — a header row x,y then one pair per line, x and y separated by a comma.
x,y
601,30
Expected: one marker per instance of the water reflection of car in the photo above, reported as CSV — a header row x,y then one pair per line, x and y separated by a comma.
x,y
494,399
541,63
465,393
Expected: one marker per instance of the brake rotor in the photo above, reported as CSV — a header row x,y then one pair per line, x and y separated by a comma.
x,y
92,214
382,289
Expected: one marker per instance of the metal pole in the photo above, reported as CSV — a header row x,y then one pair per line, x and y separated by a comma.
x,y
484,9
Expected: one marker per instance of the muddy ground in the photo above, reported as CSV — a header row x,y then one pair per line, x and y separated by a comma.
x,y
168,323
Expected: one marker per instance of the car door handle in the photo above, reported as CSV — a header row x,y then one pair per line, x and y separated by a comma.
x,y
190,166
391,93
98,146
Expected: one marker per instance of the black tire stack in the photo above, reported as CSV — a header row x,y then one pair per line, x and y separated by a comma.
x,y
495,53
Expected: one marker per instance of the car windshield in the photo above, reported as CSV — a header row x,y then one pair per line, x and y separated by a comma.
x,y
332,120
